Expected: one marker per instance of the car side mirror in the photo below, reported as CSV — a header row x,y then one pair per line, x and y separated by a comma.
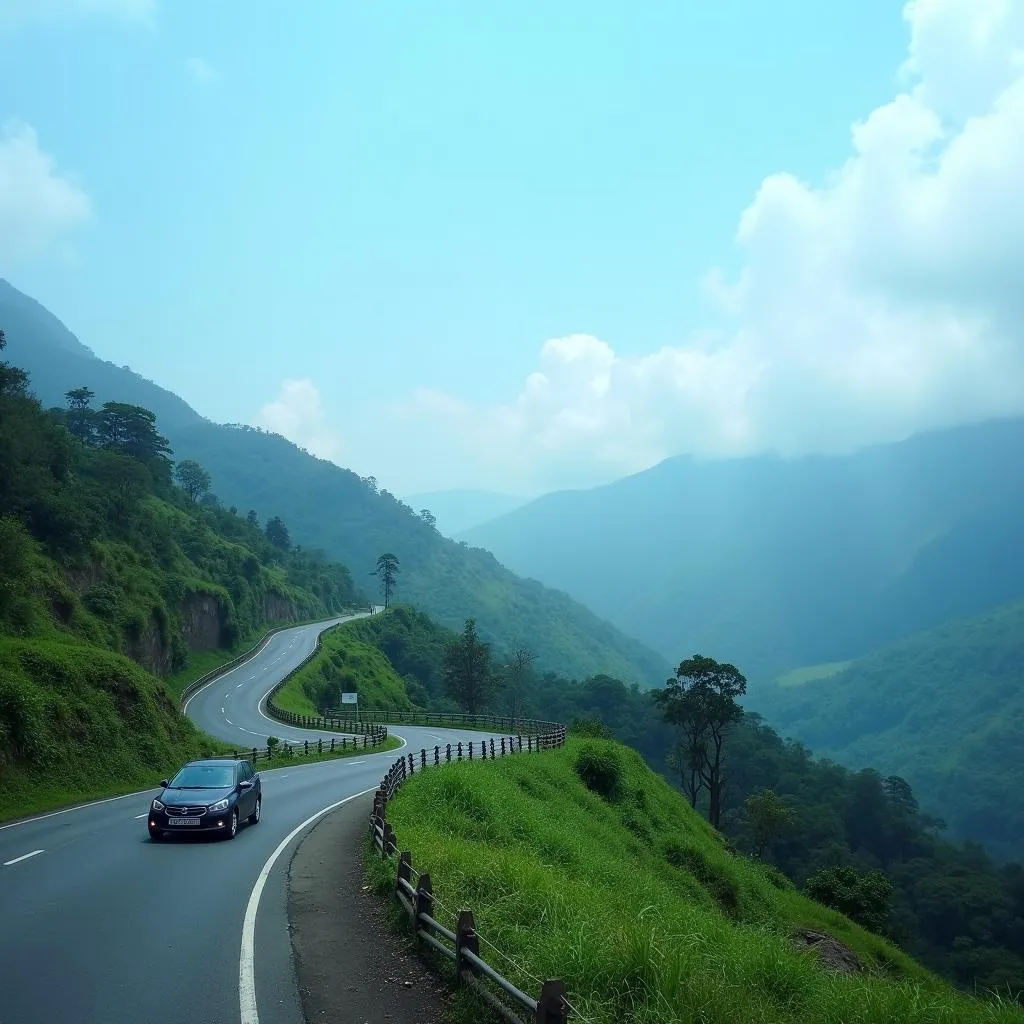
x,y
245,784
164,783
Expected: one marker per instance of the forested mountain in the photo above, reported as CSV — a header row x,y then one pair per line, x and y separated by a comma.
x,y
109,571
944,709
334,509
951,906
787,562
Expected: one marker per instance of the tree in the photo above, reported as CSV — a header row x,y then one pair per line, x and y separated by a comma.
x,y
429,518
13,381
387,570
277,533
769,817
81,419
132,430
516,673
251,518
194,480
468,677
862,898
700,701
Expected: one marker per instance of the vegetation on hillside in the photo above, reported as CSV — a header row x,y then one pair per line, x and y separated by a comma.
x,y
944,709
344,664
582,864
951,906
349,517
108,568
787,562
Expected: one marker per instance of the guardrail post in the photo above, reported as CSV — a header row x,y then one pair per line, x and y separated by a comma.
x,y
437,756
424,902
412,765
551,1006
460,750
465,938
502,746
492,749
389,842
471,750
529,744
404,869
448,752
254,755
423,759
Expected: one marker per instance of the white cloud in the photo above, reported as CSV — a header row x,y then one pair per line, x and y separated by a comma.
x,y
298,414
200,70
886,300
38,206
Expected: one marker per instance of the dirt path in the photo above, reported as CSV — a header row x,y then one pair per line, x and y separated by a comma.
x,y
351,968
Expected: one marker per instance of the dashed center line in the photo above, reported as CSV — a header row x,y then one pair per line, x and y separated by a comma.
x,y
137,816
24,856
228,720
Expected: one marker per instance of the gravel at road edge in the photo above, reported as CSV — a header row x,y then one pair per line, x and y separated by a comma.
x,y
350,966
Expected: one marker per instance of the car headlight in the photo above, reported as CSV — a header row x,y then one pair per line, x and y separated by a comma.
x,y
157,806
220,805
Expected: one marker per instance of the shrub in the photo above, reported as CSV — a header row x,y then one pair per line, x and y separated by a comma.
x,y
600,768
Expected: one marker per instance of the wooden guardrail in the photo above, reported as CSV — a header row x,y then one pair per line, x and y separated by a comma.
x,y
285,748
374,732
197,684
462,946
507,724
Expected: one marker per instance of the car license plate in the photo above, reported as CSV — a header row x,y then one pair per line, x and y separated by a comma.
x,y
182,821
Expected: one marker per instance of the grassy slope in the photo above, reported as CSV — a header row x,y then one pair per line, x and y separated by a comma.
x,y
81,723
637,906
940,708
344,664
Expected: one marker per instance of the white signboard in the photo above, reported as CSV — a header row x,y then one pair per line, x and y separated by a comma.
x,y
350,698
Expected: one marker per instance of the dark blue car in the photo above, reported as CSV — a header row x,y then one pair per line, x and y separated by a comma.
x,y
214,795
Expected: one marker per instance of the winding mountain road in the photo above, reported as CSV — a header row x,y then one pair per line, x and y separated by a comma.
x,y
99,925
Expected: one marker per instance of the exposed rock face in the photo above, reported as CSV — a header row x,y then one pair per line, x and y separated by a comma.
x,y
278,609
150,650
202,622
832,954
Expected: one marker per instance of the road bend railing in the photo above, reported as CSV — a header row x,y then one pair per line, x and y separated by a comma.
x,y
462,946
302,748
374,732
197,684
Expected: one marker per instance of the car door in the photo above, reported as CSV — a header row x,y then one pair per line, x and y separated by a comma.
x,y
244,807
251,793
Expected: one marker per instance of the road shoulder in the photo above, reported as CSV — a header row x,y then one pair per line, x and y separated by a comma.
x,y
350,966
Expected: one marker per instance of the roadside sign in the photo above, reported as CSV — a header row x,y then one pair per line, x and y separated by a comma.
x,y
350,698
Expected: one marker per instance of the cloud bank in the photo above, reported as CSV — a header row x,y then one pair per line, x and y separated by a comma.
x,y
886,300
298,414
38,206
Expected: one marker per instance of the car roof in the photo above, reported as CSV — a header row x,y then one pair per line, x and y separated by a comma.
x,y
217,761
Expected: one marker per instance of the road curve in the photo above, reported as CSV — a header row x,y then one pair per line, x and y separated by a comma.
x,y
102,925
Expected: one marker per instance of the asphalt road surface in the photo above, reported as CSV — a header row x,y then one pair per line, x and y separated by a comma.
x,y
100,925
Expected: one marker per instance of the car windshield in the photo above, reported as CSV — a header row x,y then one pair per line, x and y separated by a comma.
x,y
204,776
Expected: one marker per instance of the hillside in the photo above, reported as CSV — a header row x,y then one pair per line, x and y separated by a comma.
x,y
345,664
459,510
582,864
944,709
335,510
784,563
108,569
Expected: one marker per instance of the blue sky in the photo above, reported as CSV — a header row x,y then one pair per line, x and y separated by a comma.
x,y
402,203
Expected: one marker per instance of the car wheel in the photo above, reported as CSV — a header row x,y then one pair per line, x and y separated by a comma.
x,y
254,818
233,824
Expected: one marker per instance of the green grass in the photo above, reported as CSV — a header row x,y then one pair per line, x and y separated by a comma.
x,y
344,664
633,900
812,673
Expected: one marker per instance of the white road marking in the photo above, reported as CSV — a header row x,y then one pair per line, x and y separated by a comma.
x,y
247,957
357,762
24,856
228,720
222,709
78,807
146,815
240,685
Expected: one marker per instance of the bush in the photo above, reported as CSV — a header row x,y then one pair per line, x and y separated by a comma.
x,y
862,898
600,768
593,728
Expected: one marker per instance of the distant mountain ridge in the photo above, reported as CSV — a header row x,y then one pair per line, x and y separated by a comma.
x,y
334,509
777,563
458,510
